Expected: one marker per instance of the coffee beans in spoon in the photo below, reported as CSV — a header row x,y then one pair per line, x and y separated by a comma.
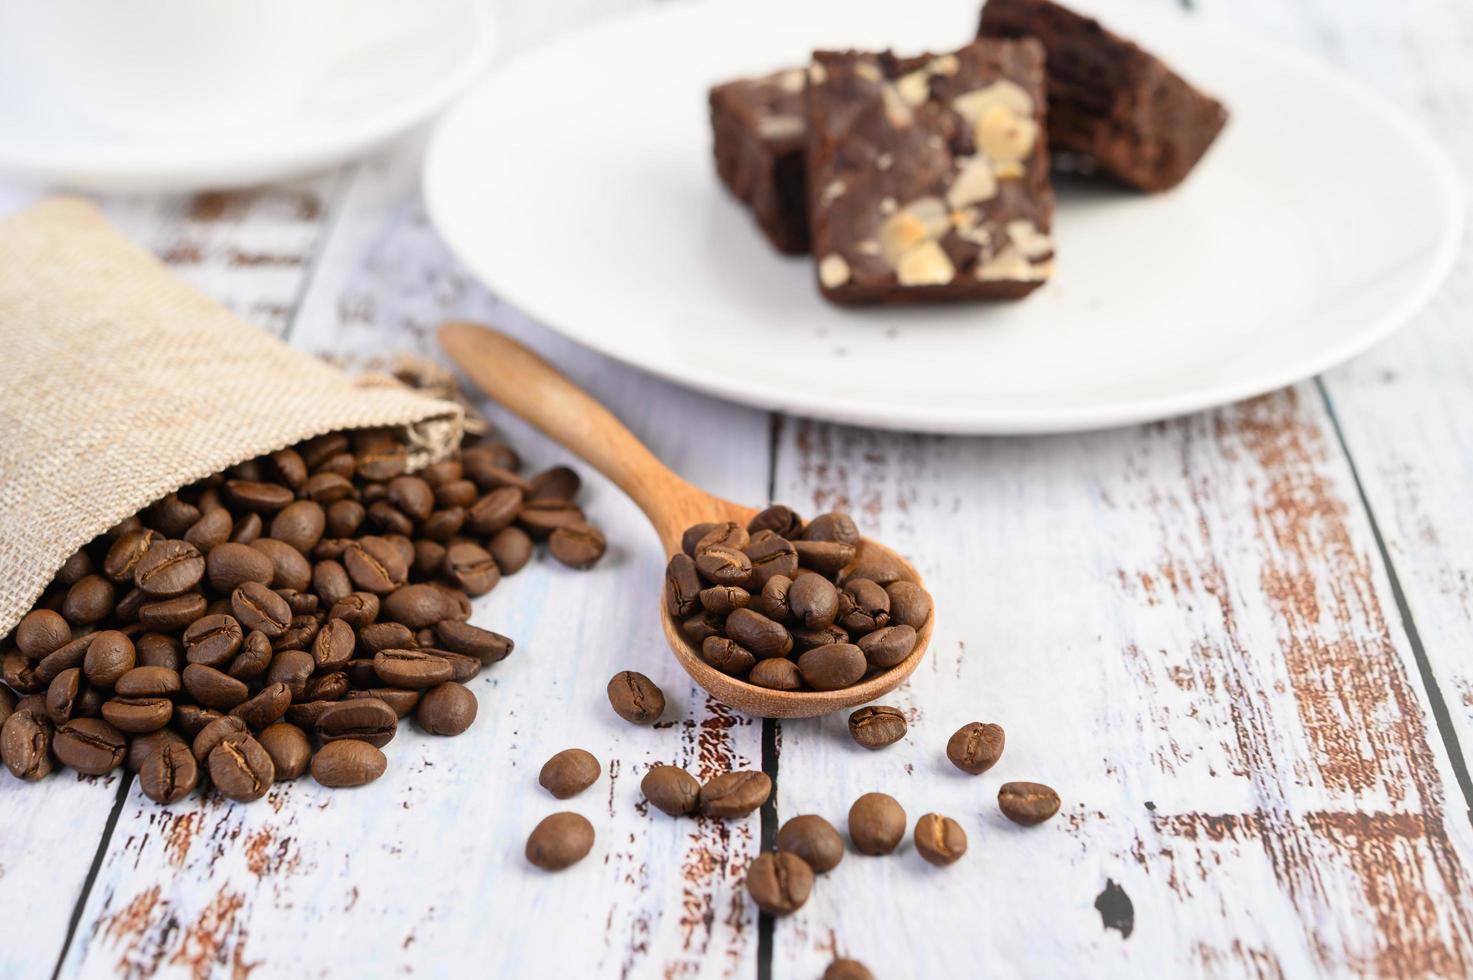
x,y
789,606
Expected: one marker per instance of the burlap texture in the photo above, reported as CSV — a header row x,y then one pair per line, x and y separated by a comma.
x,y
120,384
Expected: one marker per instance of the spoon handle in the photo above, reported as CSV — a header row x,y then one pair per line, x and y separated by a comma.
x,y
532,388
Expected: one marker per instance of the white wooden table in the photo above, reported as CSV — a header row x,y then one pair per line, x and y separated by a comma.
x,y
1238,644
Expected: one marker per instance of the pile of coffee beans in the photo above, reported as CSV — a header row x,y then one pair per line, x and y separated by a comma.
x,y
313,596
792,606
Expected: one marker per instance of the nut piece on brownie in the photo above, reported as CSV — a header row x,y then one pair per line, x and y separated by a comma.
x,y
759,129
1110,102
928,176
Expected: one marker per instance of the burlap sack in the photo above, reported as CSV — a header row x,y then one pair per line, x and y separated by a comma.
x,y
120,384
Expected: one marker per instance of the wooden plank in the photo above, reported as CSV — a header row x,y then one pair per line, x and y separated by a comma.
x,y
1185,629
425,866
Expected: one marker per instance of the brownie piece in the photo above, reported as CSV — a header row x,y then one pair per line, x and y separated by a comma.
x,y
760,131
928,176
1117,106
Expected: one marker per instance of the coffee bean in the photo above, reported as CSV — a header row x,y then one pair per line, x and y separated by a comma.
x,y
813,601
495,511
191,719
940,840
41,631
569,773
560,841
90,600
214,733
473,641
776,674
327,488
334,645
1027,803
772,601
832,526
248,527
137,715
266,707
232,564
366,719
110,655
214,688
727,534
556,483
168,615
754,631
813,839
326,687
62,694
387,518
845,969
863,606
256,607
540,518
727,656
254,658
828,668
126,552
169,568
159,650
698,628
292,668
213,640
635,698
779,882
446,709
412,496
140,747
290,569
910,605
779,519
724,599
411,668
877,726
169,774
578,546
512,549
89,745
240,769
7,704
682,587
888,646
264,498
824,557
416,606
357,609
735,794
148,682
693,536
17,671
375,565
671,790
471,567
876,567
403,701
876,823
770,555
63,658
724,565
348,762
976,747
289,749
383,462
25,745
212,529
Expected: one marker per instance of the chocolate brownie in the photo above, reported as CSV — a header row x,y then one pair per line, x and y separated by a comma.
x,y
759,132
1112,103
928,176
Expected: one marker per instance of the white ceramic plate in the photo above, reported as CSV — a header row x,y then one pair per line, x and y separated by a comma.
x,y
346,113
577,181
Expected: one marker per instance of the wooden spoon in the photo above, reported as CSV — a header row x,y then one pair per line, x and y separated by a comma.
x,y
539,393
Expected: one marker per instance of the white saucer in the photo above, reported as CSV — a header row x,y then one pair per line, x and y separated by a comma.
x,y
344,115
578,182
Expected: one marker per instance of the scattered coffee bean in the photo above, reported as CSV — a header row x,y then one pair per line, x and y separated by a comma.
x,y
578,546
365,719
735,794
240,769
446,709
89,745
845,969
813,839
1027,803
635,698
560,841
876,823
877,726
348,762
940,840
976,747
25,745
169,773
569,773
289,749
671,790
779,882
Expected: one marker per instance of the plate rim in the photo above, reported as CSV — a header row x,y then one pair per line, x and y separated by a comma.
x,y
995,421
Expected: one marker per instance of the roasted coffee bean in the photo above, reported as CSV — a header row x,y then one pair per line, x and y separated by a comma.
x,y
727,534
693,536
446,709
724,599
569,773
290,467
326,687
464,668
300,634
214,733
776,674
148,682
169,774
231,565
846,969
319,449
682,587
702,626
383,462
412,497
327,488
735,794
140,747
402,700
457,603
89,745
635,698
540,518
292,668
304,714
472,641
357,609
212,529
213,688
779,882
813,839
126,552
772,601
300,603
429,558
863,606
334,645
723,565
89,601
560,841
41,631
671,790
496,510
7,704
754,631
578,546
256,607
63,658
77,566
191,719
413,669
138,714
832,526
910,605
770,555
240,769
360,671
126,611
289,749
264,498
247,528
169,568
940,840
888,646
417,606
828,668
443,472
254,657
727,656
813,601
343,518
25,745
267,706
62,694
172,516
110,655
779,519
366,719
290,569
824,557
17,671
375,565
384,636
1027,803
876,823
387,518
159,650
460,494
976,747
213,640
875,566
168,615
348,762
555,483
512,549
877,726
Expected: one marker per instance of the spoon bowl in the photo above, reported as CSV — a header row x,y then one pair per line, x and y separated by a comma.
x,y
533,389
